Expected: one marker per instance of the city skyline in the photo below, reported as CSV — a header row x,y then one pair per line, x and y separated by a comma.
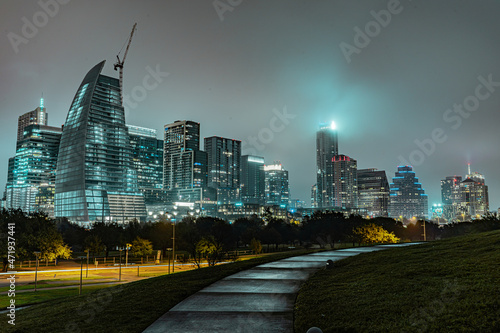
x,y
229,98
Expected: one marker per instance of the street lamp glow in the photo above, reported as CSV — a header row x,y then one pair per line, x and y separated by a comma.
x,y
333,126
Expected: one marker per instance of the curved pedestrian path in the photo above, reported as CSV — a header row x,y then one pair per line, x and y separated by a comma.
x,y
259,299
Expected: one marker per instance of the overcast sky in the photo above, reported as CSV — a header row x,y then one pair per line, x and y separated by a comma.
x,y
235,67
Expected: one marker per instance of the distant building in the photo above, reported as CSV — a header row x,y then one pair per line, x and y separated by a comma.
x,y
407,197
252,179
373,189
31,173
95,175
474,196
314,196
451,197
345,182
326,150
277,187
224,158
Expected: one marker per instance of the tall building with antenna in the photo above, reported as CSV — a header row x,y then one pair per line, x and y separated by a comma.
x,y
326,149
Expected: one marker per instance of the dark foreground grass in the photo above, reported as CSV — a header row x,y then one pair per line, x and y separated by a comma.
x,y
130,307
444,286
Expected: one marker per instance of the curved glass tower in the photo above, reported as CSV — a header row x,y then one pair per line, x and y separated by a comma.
x,y
95,179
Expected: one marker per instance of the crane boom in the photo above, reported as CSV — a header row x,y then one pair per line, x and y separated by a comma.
x,y
119,63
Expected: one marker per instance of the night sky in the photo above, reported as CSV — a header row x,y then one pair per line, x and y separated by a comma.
x,y
269,57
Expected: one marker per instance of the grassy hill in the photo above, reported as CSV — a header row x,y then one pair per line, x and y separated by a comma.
x,y
451,285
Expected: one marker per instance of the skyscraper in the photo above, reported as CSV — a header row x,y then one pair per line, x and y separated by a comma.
x,y
38,116
147,157
31,176
451,196
407,197
96,179
345,182
474,195
277,187
224,158
252,179
373,189
326,150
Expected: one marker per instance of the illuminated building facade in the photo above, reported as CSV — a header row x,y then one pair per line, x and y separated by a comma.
x,y
31,174
39,116
451,197
224,158
276,185
252,179
407,197
95,167
326,150
345,182
474,196
373,192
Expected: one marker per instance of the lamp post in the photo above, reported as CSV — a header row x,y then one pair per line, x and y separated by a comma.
x,y
120,274
37,253
425,235
81,274
87,271
173,244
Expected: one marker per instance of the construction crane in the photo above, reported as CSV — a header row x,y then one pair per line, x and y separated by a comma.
x,y
119,63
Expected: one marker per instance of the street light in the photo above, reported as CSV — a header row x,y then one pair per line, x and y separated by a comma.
x,y
173,244
37,253
87,272
81,274
120,274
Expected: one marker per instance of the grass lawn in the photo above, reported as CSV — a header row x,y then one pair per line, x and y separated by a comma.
x,y
451,285
45,295
125,308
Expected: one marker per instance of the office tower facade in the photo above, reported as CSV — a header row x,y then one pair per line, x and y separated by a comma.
x,y
314,196
224,158
31,174
345,183
276,185
147,157
474,196
252,179
451,196
407,197
373,192
95,157
39,116
326,150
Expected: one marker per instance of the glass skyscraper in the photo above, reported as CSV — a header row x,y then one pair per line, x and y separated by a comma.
x,y
277,186
326,150
345,182
95,157
252,179
373,189
408,198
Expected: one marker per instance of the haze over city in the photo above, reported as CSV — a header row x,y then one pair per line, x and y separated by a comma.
x,y
234,71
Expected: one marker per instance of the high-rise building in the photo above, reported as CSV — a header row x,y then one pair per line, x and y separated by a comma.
x,y
276,184
224,158
407,197
31,175
326,150
314,196
252,179
147,156
345,183
38,116
474,196
184,164
451,196
96,179
373,192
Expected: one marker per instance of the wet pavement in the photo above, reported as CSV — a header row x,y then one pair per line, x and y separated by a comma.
x,y
257,300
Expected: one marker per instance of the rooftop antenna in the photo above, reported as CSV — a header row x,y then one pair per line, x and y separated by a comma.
x,y
468,166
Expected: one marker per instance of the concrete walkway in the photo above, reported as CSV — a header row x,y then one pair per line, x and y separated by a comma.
x,y
257,300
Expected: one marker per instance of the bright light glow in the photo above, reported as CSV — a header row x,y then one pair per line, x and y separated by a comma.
x,y
333,126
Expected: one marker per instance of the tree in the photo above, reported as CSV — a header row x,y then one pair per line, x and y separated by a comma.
x,y
255,246
141,247
93,244
372,234
208,247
